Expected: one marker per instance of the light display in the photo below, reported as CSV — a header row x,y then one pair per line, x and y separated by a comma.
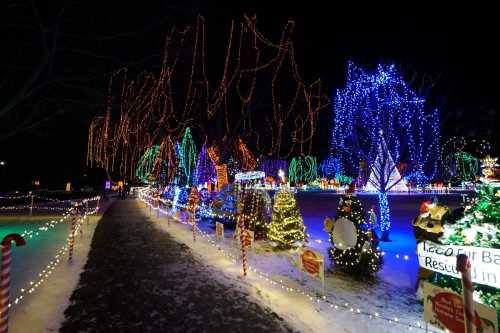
x,y
205,167
254,213
377,116
146,164
222,178
479,227
188,159
377,102
362,258
314,296
272,166
179,166
249,175
144,109
287,228
245,157
224,204
331,167
303,170
461,166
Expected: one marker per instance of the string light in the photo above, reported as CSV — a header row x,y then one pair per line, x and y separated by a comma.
x,y
48,269
144,110
287,227
205,167
303,170
312,296
188,157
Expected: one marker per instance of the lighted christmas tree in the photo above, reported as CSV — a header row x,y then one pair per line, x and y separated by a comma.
x,y
287,227
188,157
479,227
193,199
254,213
353,250
205,167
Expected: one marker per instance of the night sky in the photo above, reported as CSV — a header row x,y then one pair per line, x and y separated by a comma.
x,y
44,135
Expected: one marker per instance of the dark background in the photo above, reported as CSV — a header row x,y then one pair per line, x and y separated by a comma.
x,y
45,135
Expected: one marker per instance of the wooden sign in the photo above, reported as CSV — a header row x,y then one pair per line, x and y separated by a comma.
x,y
443,258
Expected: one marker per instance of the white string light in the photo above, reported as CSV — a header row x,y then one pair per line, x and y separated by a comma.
x,y
313,296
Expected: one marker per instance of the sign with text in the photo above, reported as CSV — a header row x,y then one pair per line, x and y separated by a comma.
x,y
221,171
443,258
219,230
312,263
444,308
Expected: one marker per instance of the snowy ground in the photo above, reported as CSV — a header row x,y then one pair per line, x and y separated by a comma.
x,y
390,294
42,311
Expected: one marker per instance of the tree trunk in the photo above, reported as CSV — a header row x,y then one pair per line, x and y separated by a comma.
x,y
385,216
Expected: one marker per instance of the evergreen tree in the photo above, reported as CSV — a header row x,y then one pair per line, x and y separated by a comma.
x,y
362,258
254,213
188,157
287,226
479,227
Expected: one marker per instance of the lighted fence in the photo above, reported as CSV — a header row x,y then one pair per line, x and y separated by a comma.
x,y
78,212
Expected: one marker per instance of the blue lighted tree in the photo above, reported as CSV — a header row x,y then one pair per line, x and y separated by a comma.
x,y
380,120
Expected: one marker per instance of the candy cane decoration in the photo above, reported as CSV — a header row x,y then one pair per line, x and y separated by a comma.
x,y
72,239
464,267
5,284
193,200
243,241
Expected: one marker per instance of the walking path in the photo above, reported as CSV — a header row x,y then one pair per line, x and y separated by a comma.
x,y
139,279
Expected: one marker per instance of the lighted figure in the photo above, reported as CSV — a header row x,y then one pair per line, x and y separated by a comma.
x,y
354,248
380,120
490,169
287,227
461,167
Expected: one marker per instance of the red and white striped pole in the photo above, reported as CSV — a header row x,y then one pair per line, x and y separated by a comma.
x,y
193,222
464,267
5,284
72,239
243,241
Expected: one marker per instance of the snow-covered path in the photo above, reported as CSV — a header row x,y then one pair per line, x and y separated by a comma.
x,y
139,279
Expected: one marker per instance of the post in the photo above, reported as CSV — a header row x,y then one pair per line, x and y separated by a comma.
x,y
193,222
87,211
158,206
31,204
5,284
464,267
